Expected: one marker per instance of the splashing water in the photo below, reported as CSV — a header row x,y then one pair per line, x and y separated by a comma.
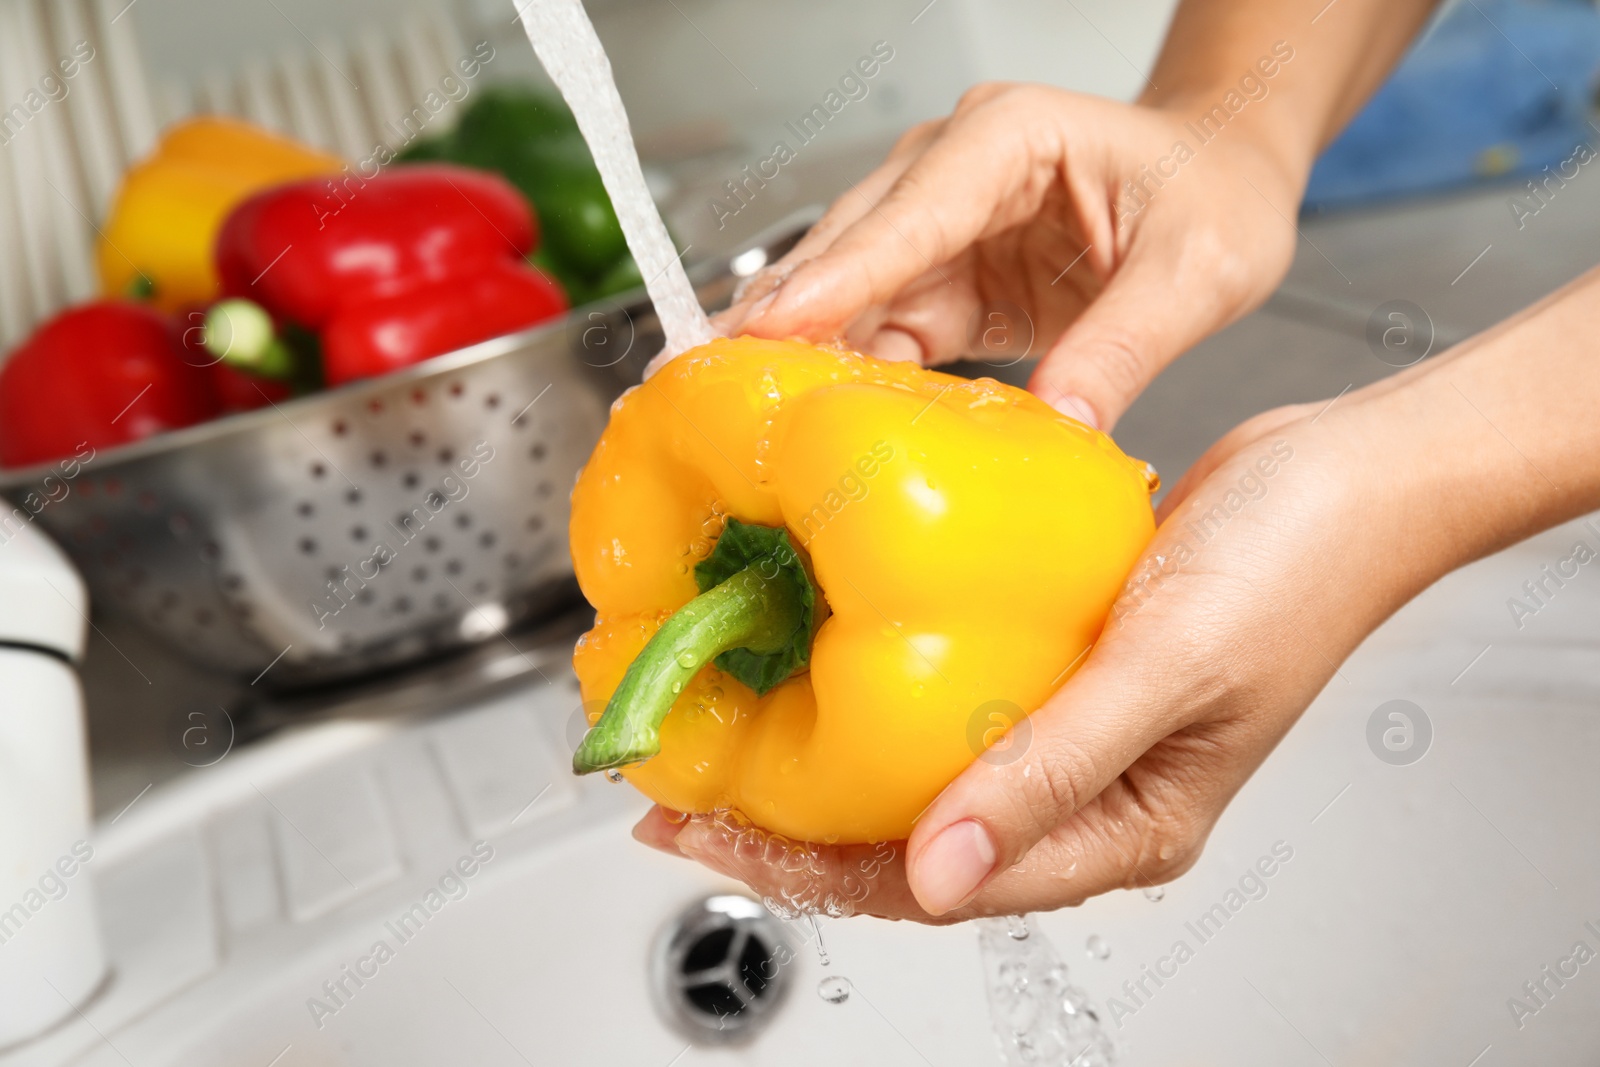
x,y
1096,946
802,878
835,989
1040,1018
816,930
565,42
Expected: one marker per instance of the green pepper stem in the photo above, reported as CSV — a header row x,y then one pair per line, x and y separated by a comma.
x,y
749,610
240,333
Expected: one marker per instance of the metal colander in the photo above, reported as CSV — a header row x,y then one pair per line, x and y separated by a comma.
x,y
370,525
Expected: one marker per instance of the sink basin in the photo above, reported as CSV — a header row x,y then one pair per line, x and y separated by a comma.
x,y
1349,909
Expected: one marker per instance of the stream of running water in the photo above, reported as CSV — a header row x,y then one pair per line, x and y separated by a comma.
x,y
1039,1017
565,42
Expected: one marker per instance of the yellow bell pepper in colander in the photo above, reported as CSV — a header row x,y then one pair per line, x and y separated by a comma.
x,y
157,240
817,574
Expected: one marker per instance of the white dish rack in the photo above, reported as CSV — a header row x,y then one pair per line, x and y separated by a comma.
x,y
65,142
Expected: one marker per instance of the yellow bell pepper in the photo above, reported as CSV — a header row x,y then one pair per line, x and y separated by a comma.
x,y
876,557
165,216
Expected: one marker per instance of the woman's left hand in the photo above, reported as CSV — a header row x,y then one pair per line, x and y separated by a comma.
x,y
1263,577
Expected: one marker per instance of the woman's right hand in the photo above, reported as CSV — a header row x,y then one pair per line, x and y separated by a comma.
x,y
1121,236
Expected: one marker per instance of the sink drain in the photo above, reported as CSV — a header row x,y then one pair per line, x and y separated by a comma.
x,y
719,970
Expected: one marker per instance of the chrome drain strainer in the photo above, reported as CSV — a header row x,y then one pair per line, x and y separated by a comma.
x,y
720,969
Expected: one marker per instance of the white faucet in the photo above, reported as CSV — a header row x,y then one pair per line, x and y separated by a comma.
x,y
51,957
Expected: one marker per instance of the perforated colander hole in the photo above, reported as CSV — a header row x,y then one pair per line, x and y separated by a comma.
x,y
410,480
318,471
537,453
447,455
419,574
366,596
512,561
308,546
358,533
543,490
464,520
379,458
306,509
352,497
402,605
534,523
431,544
340,428
456,389
486,539
452,566
480,587
440,601
375,406
417,438
491,401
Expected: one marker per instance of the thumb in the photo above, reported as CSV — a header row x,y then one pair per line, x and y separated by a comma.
x,y
1149,312
1055,761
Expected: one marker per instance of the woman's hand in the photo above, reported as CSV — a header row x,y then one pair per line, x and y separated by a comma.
x,y
1286,544
1276,557
1264,575
1121,236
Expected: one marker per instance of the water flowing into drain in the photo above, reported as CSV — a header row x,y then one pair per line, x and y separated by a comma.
x,y
1039,1016
565,42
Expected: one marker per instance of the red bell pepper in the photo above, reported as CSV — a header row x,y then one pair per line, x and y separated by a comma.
x,y
410,264
102,374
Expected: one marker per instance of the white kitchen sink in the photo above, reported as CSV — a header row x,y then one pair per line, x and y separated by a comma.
x,y
1417,900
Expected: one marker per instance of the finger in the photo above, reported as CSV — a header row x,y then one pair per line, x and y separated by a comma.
x,y
895,345
659,829
927,322
1154,306
840,216
1146,828
994,813
937,208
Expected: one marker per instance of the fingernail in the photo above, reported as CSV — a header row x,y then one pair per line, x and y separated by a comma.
x,y
1075,407
948,872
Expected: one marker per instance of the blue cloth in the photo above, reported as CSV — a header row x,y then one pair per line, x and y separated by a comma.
x,y
1498,88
